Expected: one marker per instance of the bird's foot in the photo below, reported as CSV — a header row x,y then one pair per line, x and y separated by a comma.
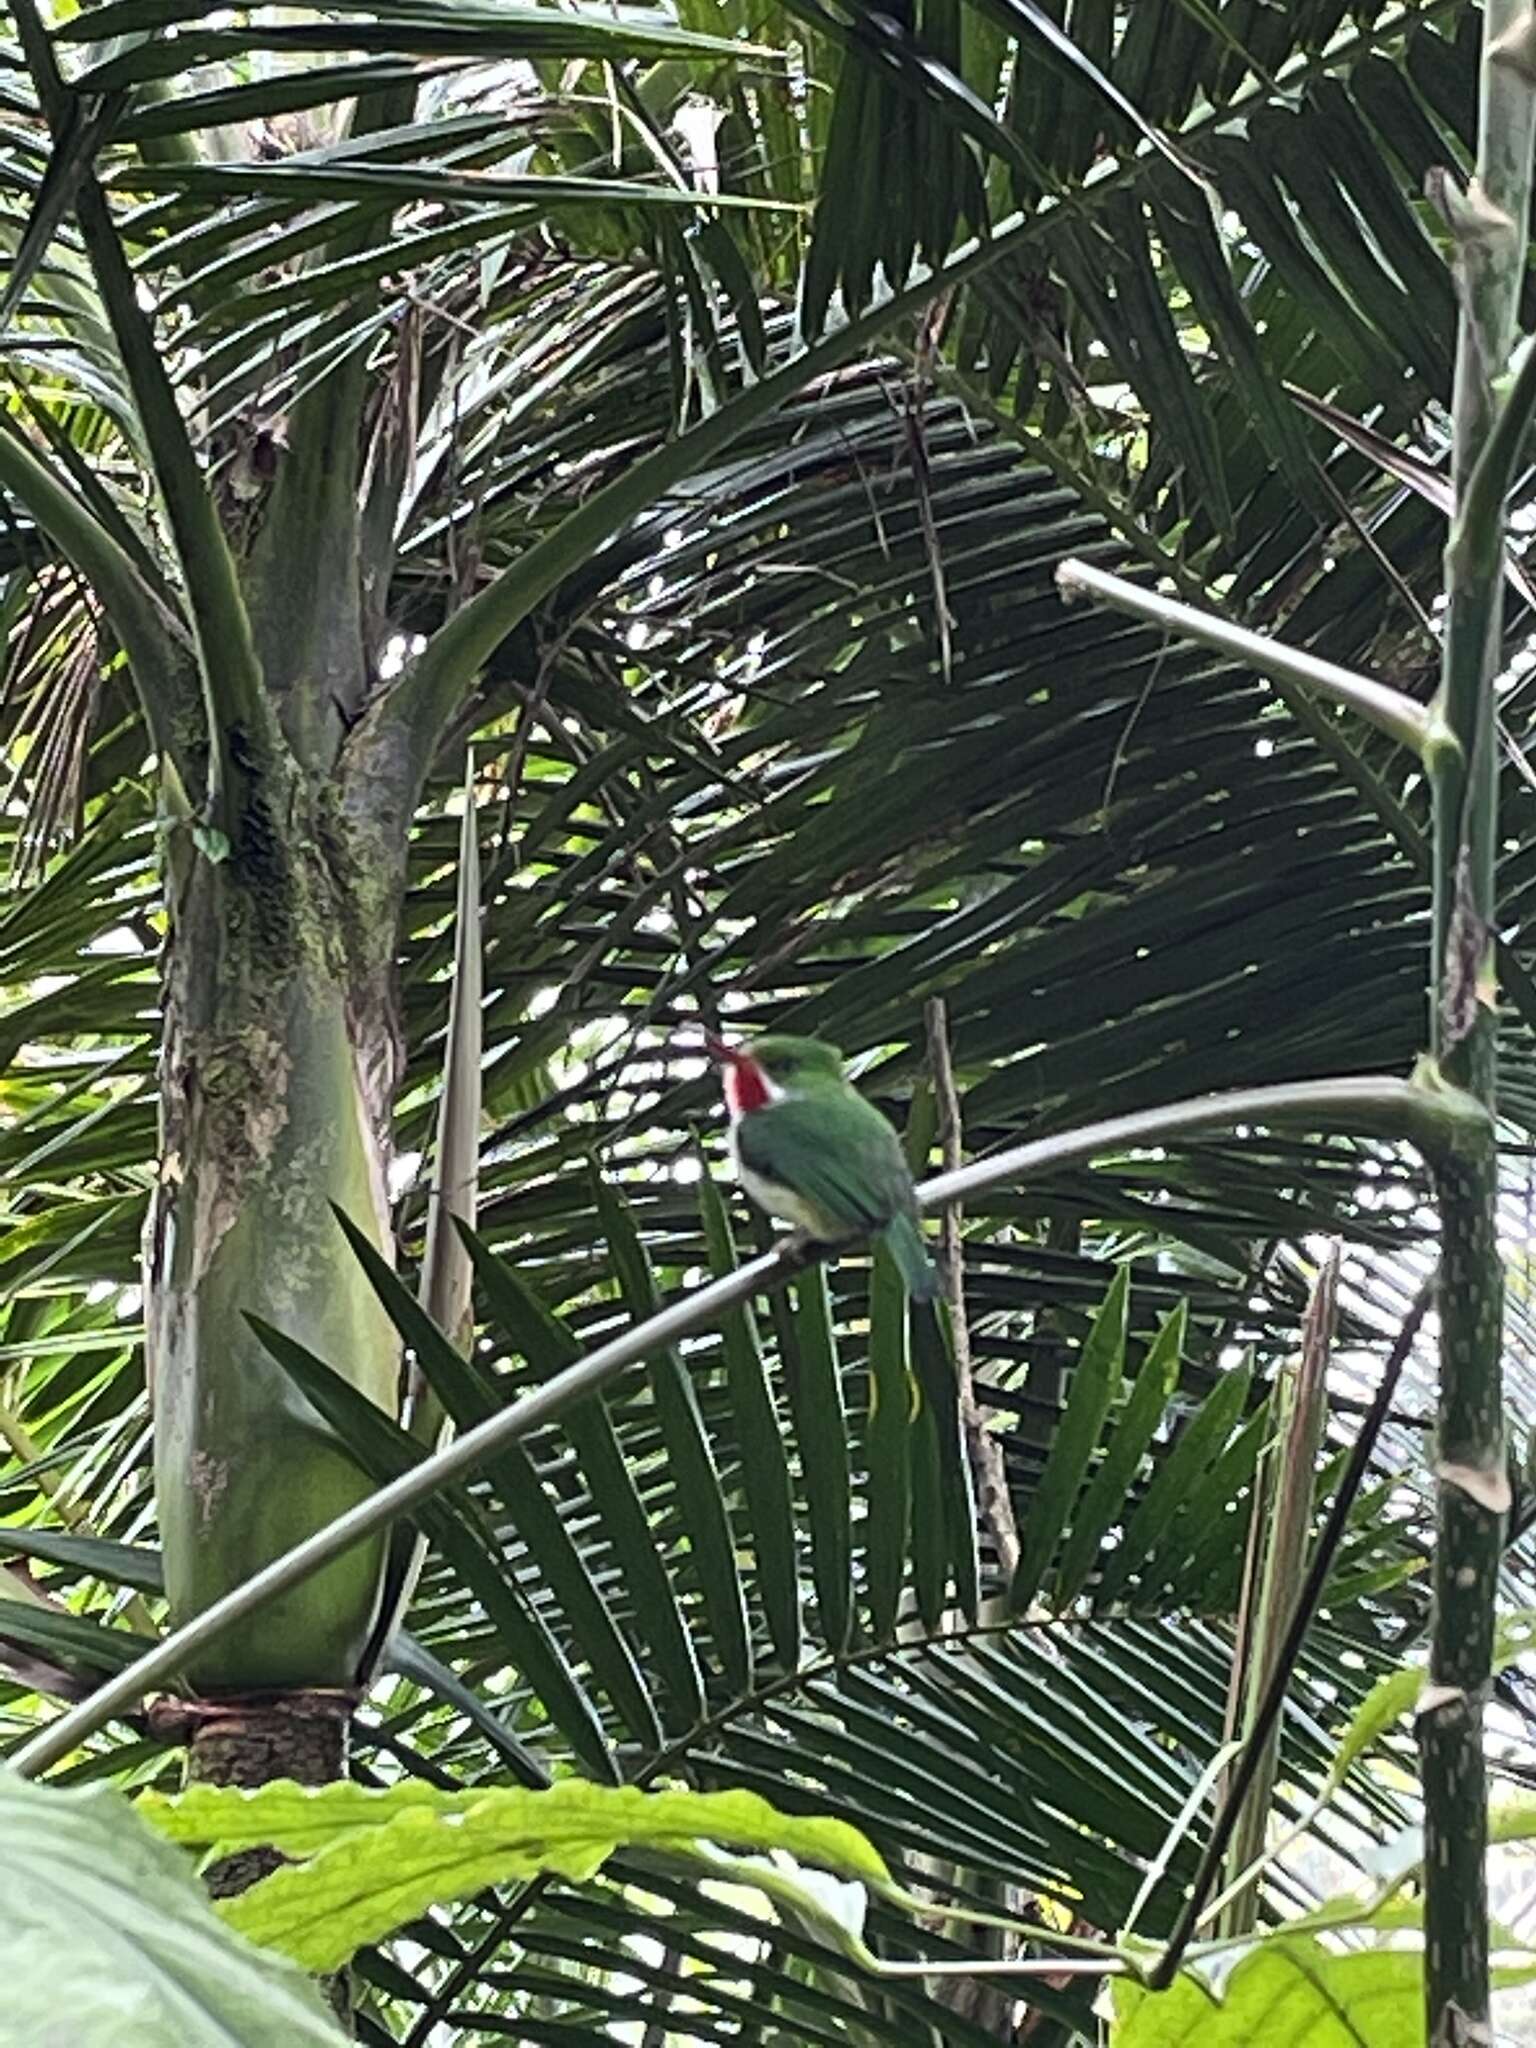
x,y
798,1249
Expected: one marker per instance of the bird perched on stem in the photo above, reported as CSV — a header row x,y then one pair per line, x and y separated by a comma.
x,y
809,1148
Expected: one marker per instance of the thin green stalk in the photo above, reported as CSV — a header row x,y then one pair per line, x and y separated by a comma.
x,y
1439,1121
1394,713
1489,227
152,639
242,729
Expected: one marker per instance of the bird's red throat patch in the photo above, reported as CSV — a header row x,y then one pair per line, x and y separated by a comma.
x,y
747,1087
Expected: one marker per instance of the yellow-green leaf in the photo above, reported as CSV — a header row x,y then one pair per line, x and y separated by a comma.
x,y
376,1859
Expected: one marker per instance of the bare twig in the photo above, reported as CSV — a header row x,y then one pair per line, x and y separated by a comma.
x,y
994,1503
973,1998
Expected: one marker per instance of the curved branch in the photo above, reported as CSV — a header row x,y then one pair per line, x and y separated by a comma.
x,y
1440,1121
154,640
1393,712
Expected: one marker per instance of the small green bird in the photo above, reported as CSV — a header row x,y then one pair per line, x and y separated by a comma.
x,y
809,1148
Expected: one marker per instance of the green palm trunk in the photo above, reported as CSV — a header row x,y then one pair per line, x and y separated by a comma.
x,y
276,1103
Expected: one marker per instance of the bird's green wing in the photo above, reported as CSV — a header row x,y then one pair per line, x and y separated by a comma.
x,y
844,1159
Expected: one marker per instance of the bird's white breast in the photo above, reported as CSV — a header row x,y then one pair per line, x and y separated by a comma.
x,y
773,1196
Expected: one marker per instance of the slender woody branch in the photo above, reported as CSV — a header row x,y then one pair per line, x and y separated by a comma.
x,y
1439,1121
1395,713
1279,1529
994,1502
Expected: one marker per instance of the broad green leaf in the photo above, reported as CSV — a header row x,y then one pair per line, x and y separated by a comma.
x,y
1103,1500
1288,1993
1095,1382
110,1941
376,1859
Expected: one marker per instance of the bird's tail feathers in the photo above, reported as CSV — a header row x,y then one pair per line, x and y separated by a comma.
x,y
917,1270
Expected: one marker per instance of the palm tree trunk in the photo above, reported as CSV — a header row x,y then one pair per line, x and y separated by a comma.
x,y
277,1080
